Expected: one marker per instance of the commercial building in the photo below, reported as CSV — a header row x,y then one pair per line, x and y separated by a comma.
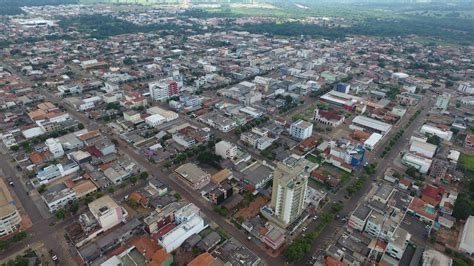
x,y
167,114
193,176
301,129
188,222
444,134
107,212
442,101
341,99
466,88
155,120
359,217
10,218
58,196
226,149
372,141
467,239
423,148
370,125
420,163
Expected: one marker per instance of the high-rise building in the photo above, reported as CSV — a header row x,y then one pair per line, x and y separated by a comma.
x,y
290,180
163,89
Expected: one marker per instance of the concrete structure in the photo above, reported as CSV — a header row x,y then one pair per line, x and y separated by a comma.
x,y
226,149
359,217
444,134
155,120
162,90
10,218
167,114
193,176
433,257
420,163
58,196
288,191
466,88
301,129
189,222
55,147
371,125
397,245
423,148
107,212
372,141
442,101
467,240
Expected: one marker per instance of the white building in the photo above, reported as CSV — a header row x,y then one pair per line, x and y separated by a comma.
x,y
466,88
10,219
444,134
188,221
226,149
370,125
397,245
359,217
155,120
423,148
58,196
168,115
372,141
301,129
467,239
107,212
420,163
162,90
55,147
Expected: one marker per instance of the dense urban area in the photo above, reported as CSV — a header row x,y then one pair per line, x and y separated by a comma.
x,y
220,133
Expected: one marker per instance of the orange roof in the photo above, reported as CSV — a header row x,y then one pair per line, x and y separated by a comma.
x,y
159,258
36,157
202,260
38,114
330,261
145,246
89,135
221,176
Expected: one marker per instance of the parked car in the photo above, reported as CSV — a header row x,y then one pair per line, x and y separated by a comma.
x,y
54,257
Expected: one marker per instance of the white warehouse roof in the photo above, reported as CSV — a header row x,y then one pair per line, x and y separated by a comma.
x,y
371,123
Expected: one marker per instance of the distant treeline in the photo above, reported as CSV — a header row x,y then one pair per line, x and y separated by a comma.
x,y
12,7
452,30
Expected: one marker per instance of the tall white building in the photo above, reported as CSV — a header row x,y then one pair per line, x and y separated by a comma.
x,y
466,88
10,218
162,90
301,129
55,147
290,180
226,149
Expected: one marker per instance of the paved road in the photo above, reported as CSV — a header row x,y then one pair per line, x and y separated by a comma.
x,y
332,230
40,231
164,176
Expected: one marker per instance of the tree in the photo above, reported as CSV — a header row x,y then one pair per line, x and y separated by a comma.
x,y
42,188
14,148
411,171
60,214
111,190
73,207
433,139
88,199
128,61
144,175
133,179
80,126
132,202
463,207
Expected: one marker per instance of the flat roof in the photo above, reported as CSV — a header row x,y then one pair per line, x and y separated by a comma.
x,y
468,232
372,123
362,212
7,204
191,172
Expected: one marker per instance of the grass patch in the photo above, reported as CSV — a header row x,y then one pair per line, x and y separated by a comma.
x,y
466,162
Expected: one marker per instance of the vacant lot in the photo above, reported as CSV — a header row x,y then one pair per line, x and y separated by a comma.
x,y
466,162
253,209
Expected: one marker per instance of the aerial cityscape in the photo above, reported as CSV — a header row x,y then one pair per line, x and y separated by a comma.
x,y
237,132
